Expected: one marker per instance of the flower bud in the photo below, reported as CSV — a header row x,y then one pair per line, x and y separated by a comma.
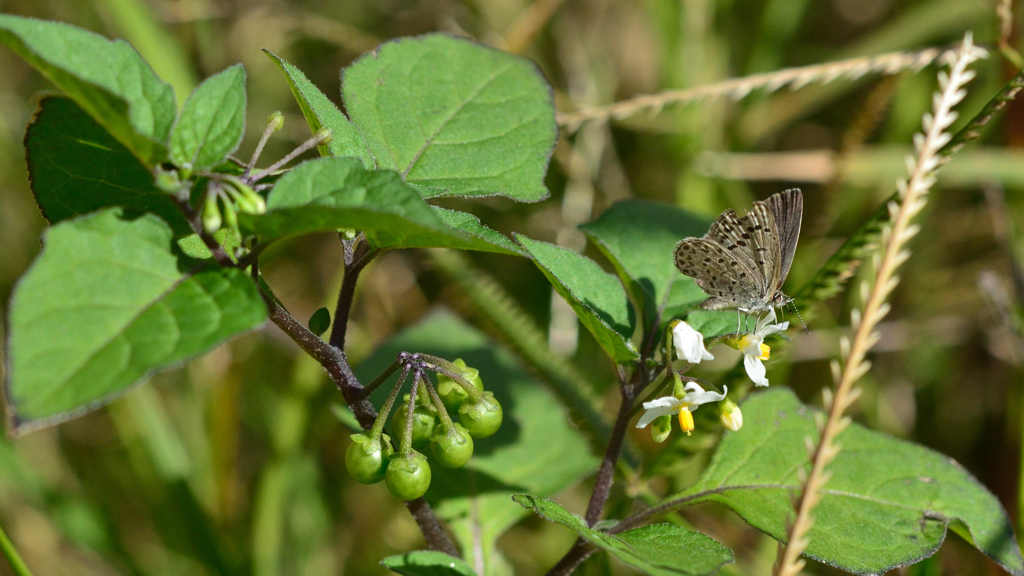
x,y
731,416
276,121
211,214
323,136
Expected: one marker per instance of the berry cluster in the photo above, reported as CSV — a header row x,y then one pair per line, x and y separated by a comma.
x,y
423,419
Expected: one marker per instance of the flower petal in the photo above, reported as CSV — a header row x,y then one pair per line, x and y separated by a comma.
x,y
775,328
654,413
689,343
751,345
755,369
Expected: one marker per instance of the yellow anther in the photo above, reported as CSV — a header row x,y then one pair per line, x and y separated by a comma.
x,y
765,352
685,420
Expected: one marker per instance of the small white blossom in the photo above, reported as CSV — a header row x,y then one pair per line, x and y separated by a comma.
x,y
755,350
689,343
669,405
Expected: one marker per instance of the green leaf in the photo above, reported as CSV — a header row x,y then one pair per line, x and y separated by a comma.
x,y
332,193
105,304
320,112
427,563
320,321
478,234
536,449
656,549
639,238
596,296
888,502
454,117
76,167
108,79
212,122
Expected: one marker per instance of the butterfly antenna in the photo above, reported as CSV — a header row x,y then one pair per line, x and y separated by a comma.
x,y
797,310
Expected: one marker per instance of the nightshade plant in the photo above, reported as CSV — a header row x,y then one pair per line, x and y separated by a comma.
x,y
152,258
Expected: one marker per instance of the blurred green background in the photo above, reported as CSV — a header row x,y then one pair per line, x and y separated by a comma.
x,y
234,463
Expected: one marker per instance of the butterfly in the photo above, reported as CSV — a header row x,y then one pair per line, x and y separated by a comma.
x,y
743,262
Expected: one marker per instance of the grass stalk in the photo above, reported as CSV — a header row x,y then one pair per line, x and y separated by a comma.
x,y
913,197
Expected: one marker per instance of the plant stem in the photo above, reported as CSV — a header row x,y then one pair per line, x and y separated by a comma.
x,y
606,473
410,415
442,366
18,565
356,259
442,412
382,377
382,418
605,478
337,366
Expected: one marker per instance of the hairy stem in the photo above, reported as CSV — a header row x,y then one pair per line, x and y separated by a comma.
x,y
337,366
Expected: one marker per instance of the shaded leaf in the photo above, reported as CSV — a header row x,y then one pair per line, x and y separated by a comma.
x,y
427,563
639,239
76,167
212,122
596,296
333,193
106,303
536,448
108,79
320,112
454,117
888,502
656,548
320,321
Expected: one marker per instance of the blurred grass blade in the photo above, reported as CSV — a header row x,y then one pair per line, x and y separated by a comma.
x,y
832,276
18,565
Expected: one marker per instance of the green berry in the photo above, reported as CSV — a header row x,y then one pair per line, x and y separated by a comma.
x,y
452,448
424,421
408,475
451,393
483,417
367,458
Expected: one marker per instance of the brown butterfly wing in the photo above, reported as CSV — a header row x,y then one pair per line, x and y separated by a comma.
x,y
787,208
717,271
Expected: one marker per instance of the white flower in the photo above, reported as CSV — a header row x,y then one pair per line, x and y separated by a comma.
x,y
755,350
689,343
668,405
731,416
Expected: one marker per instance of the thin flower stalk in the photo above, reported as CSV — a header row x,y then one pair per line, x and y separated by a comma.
x,y
738,88
913,196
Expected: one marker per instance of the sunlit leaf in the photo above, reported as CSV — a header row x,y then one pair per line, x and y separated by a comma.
x,y
106,303
888,502
596,296
320,112
454,117
108,79
656,549
329,194
427,563
212,122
